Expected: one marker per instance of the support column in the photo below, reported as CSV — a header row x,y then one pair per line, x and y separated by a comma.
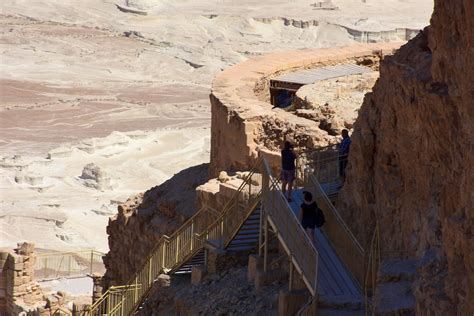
x,y
289,303
97,287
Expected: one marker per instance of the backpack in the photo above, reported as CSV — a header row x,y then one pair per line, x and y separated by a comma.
x,y
320,219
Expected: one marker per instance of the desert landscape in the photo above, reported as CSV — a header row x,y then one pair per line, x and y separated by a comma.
x,y
98,104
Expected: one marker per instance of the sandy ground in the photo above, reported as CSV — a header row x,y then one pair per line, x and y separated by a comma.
x,y
82,82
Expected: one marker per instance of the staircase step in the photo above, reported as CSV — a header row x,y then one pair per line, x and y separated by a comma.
x,y
253,232
245,238
243,241
397,270
240,248
346,302
252,221
394,298
339,312
248,232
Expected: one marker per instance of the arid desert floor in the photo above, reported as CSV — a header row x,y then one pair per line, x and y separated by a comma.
x,y
85,84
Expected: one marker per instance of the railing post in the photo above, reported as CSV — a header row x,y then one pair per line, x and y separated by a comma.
x,y
69,266
265,253
177,248
290,283
108,303
92,254
192,235
260,231
151,277
222,230
136,290
250,186
263,211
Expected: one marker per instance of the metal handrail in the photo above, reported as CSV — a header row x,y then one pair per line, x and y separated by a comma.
x,y
322,195
295,241
172,251
373,265
50,265
324,162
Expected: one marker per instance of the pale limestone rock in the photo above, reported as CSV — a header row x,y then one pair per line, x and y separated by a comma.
x,y
94,177
223,177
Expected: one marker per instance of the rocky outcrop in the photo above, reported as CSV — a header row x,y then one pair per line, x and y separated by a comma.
x,y
144,218
333,104
411,166
244,122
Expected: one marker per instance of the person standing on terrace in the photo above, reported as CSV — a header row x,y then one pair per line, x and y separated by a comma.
x,y
288,169
344,148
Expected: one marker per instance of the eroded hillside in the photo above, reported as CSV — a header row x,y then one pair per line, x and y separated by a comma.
x,y
411,162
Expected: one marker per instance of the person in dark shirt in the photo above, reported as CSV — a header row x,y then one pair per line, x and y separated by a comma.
x,y
288,169
344,148
308,214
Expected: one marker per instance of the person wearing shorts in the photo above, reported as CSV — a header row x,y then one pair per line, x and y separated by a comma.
x,y
288,169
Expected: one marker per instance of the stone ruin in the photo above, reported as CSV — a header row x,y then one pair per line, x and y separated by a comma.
x,y
21,294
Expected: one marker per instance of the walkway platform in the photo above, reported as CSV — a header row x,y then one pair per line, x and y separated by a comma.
x,y
310,76
335,283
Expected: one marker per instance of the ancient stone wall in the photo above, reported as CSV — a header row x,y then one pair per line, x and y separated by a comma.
x,y
243,122
411,166
3,281
18,289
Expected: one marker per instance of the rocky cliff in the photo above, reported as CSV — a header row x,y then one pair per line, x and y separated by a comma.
x,y
144,218
412,165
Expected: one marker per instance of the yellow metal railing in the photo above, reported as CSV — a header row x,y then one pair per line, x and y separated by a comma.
x,y
373,264
172,251
295,241
220,228
323,162
237,211
362,263
51,265
342,239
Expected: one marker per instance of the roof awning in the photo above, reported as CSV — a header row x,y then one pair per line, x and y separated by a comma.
x,y
310,76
